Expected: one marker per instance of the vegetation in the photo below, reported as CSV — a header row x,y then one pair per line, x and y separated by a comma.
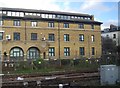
x,y
110,52
108,46
42,66
118,50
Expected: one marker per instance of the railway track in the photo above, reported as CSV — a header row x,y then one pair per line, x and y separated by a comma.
x,y
50,80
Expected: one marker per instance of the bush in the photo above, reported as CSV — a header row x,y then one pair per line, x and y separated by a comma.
x,y
39,63
65,61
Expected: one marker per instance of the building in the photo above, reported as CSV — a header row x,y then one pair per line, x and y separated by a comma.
x,y
113,32
31,34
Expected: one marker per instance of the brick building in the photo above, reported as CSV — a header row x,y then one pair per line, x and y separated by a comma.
x,y
31,34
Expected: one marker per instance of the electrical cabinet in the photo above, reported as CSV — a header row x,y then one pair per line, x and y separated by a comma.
x,y
108,74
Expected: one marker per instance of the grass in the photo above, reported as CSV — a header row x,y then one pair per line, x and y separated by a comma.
x,y
54,69
45,67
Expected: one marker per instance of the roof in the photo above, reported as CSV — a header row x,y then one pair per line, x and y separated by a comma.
x,y
49,12
44,11
57,20
112,28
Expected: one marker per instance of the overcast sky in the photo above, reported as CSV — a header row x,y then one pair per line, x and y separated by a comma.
x,y
105,11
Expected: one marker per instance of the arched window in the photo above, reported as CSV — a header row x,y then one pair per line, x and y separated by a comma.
x,y
16,52
33,53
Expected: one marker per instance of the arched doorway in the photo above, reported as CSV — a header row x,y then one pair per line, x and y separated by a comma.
x,y
33,53
16,52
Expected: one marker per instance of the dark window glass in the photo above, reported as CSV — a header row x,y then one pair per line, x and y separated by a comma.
x,y
16,53
81,26
1,36
50,24
33,53
16,36
66,37
16,23
66,25
81,37
82,51
51,51
51,37
33,36
93,51
92,26
66,51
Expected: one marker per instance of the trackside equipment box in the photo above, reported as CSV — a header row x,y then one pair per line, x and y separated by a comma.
x,y
108,74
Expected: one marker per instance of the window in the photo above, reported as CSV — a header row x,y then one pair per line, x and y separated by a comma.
x,y
21,14
66,25
4,12
17,13
16,23
50,24
34,14
114,35
92,26
50,15
51,37
53,16
66,37
16,36
1,22
1,35
13,13
51,51
9,13
33,36
66,51
16,52
33,53
93,51
58,16
92,38
81,37
82,51
34,24
81,26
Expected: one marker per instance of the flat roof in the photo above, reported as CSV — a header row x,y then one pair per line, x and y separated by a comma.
x,y
44,11
48,12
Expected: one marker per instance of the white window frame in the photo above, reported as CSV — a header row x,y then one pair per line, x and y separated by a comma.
x,y
66,51
34,23
16,23
92,38
51,24
1,22
51,51
81,37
